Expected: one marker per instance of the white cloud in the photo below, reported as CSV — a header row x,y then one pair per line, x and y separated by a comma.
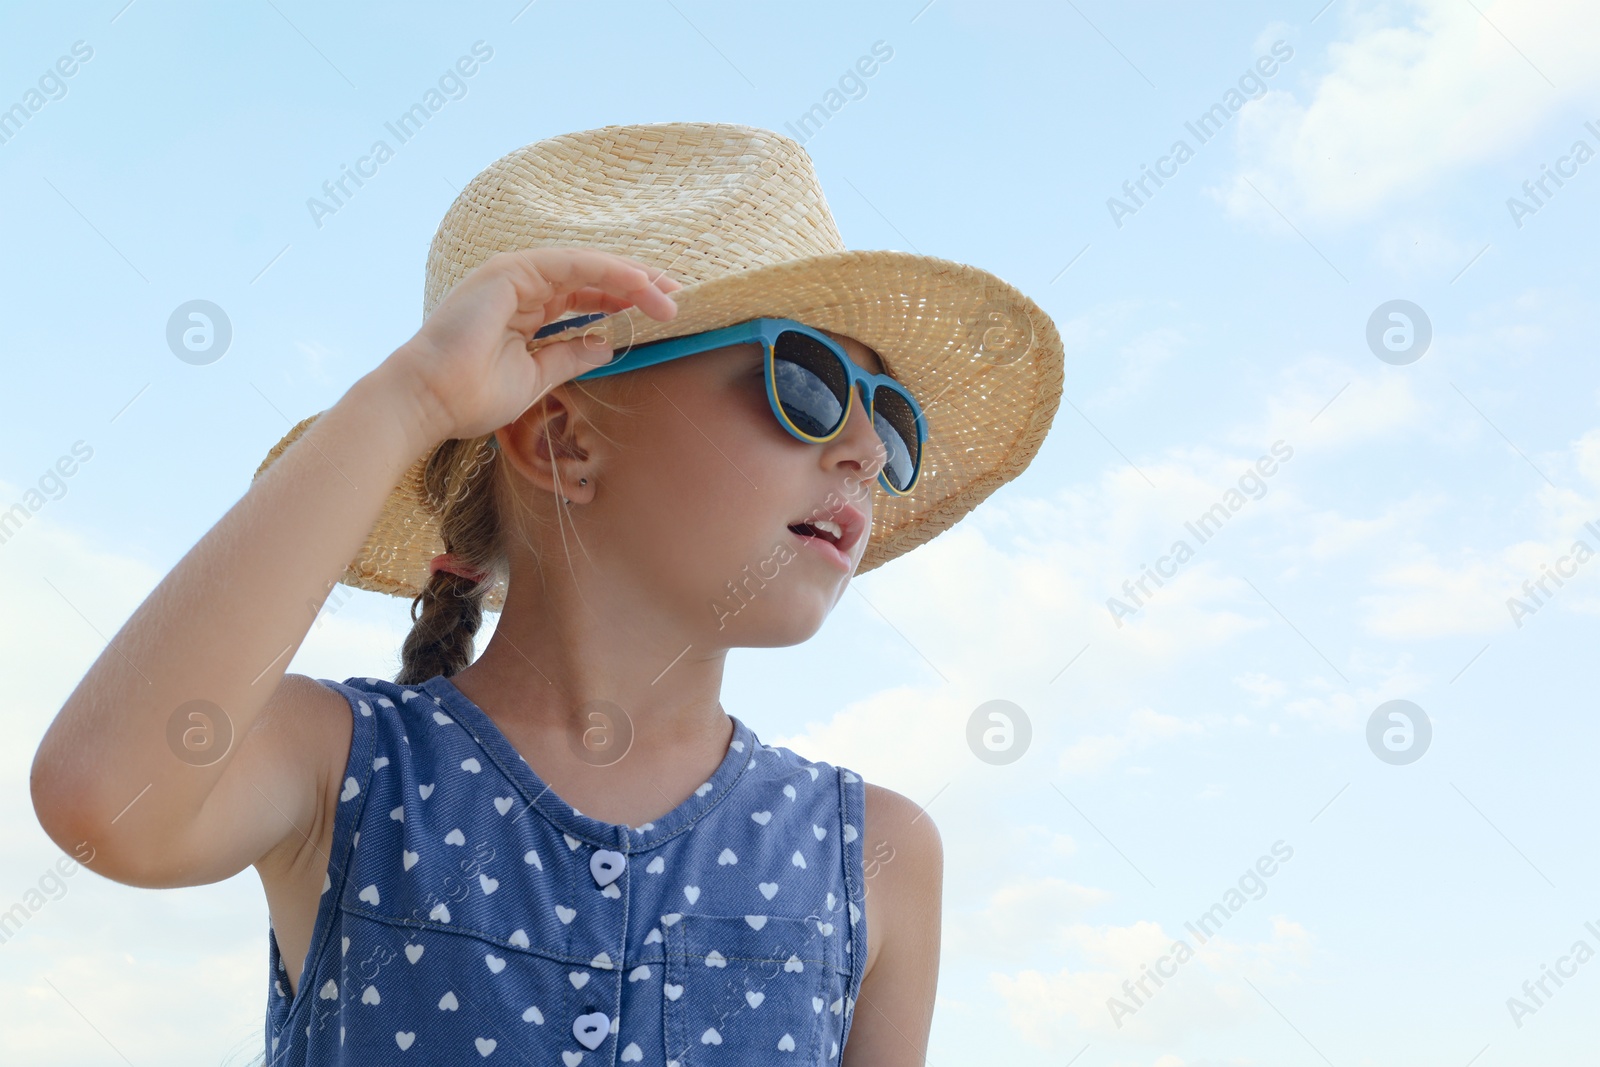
x,y
1144,727
1139,359
1019,918
1261,687
1410,94
1049,1009
1421,595
1328,705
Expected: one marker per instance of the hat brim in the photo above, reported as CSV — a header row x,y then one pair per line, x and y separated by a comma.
x,y
983,359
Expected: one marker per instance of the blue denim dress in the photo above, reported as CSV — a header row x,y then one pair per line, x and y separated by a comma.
x,y
470,915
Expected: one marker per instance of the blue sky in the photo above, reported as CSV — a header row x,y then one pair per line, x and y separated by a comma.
x,y
1221,313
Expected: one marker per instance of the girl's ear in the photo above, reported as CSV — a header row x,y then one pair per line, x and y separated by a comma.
x,y
547,436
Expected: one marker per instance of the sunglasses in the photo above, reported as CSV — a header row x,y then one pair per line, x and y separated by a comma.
x,y
811,385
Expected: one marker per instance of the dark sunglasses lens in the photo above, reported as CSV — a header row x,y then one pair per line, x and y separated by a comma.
x,y
896,424
810,383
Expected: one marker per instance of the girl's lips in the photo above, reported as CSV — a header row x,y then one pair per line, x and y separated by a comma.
x,y
823,545
852,522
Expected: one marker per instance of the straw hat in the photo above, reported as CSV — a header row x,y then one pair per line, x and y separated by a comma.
x,y
735,213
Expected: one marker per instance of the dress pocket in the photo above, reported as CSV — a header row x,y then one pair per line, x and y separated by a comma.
x,y
745,989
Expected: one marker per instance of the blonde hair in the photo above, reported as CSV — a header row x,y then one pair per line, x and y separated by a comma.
x,y
480,509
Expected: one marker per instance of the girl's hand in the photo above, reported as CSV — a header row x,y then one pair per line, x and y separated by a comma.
x,y
469,366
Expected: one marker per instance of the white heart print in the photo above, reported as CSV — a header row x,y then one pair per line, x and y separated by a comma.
x,y
745,848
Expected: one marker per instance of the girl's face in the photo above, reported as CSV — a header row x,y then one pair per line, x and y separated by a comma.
x,y
691,501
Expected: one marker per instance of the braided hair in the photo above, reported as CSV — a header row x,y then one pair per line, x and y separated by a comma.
x,y
472,488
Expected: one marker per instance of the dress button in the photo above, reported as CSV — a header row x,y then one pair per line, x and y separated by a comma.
x,y
591,1029
606,866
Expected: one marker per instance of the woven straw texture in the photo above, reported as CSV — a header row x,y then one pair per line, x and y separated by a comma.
x,y
735,214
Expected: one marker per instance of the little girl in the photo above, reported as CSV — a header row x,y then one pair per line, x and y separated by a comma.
x,y
568,846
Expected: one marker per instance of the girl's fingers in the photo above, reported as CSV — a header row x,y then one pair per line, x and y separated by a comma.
x,y
592,299
548,273
583,301
561,361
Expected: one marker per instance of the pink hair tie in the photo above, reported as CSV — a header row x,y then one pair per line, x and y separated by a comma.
x,y
444,561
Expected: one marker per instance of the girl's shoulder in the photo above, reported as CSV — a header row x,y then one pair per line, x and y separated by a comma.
x,y
375,693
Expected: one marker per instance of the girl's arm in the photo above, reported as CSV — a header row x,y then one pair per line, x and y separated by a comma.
x,y
109,780
904,861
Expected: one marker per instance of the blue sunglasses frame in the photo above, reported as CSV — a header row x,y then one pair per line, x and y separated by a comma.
x,y
765,331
